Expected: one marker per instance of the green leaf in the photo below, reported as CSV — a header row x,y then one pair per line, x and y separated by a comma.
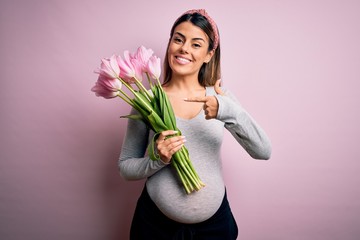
x,y
134,116
142,101
167,110
151,148
156,122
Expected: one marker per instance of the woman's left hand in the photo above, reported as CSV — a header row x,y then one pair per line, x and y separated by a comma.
x,y
211,105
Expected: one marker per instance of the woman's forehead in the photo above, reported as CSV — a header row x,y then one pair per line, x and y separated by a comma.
x,y
189,30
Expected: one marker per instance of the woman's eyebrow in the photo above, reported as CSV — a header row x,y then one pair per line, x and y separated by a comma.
x,y
183,36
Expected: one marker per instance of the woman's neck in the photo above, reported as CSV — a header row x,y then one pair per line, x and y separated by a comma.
x,y
183,83
177,89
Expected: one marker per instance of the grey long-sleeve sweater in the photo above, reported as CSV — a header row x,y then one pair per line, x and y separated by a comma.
x,y
204,139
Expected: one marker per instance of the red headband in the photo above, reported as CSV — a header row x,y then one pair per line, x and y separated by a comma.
x,y
210,20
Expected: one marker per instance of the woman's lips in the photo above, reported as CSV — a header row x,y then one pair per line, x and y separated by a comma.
x,y
182,60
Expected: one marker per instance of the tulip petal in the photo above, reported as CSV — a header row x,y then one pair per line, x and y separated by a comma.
x,y
114,65
127,71
154,67
107,87
143,55
138,67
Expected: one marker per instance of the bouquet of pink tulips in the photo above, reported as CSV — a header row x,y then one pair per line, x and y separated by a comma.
x,y
153,105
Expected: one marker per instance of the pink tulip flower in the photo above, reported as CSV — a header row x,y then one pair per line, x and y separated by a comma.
x,y
107,87
138,66
127,69
143,55
154,67
109,67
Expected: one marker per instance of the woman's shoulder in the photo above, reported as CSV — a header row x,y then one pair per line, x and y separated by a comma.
x,y
210,90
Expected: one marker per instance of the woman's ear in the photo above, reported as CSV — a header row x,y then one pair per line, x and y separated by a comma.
x,y
209,55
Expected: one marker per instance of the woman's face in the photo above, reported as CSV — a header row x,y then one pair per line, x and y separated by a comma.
x,y
188,50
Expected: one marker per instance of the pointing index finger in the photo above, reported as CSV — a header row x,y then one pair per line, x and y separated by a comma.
x,y
195,99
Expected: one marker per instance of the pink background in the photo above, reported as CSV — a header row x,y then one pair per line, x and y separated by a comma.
x,y
294,65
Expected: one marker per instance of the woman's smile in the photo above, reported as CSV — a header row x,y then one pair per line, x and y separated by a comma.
x,y
182,60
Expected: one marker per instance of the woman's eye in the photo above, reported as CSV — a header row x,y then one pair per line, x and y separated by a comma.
x,y
196,45
178,40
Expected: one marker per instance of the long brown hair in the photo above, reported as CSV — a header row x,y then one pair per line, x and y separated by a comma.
x,y
209,72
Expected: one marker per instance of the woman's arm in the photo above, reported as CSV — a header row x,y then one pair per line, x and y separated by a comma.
x,y
243,127
133,163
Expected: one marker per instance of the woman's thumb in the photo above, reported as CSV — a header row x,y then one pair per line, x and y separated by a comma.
x,y
218,88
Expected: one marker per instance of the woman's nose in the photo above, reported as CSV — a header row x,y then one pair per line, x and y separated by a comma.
x,y
185,47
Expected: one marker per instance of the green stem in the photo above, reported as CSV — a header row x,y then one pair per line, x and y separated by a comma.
x,y
149,108
187,164
143,89
188,173
183,180
149,79
158,82
126,84
126,98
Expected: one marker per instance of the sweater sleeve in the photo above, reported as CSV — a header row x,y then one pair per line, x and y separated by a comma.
x,y
133,162
243,127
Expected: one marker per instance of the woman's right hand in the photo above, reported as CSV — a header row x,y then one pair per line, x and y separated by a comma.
x,y
167,145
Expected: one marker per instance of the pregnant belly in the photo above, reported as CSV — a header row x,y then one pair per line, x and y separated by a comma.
x,y
169,196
